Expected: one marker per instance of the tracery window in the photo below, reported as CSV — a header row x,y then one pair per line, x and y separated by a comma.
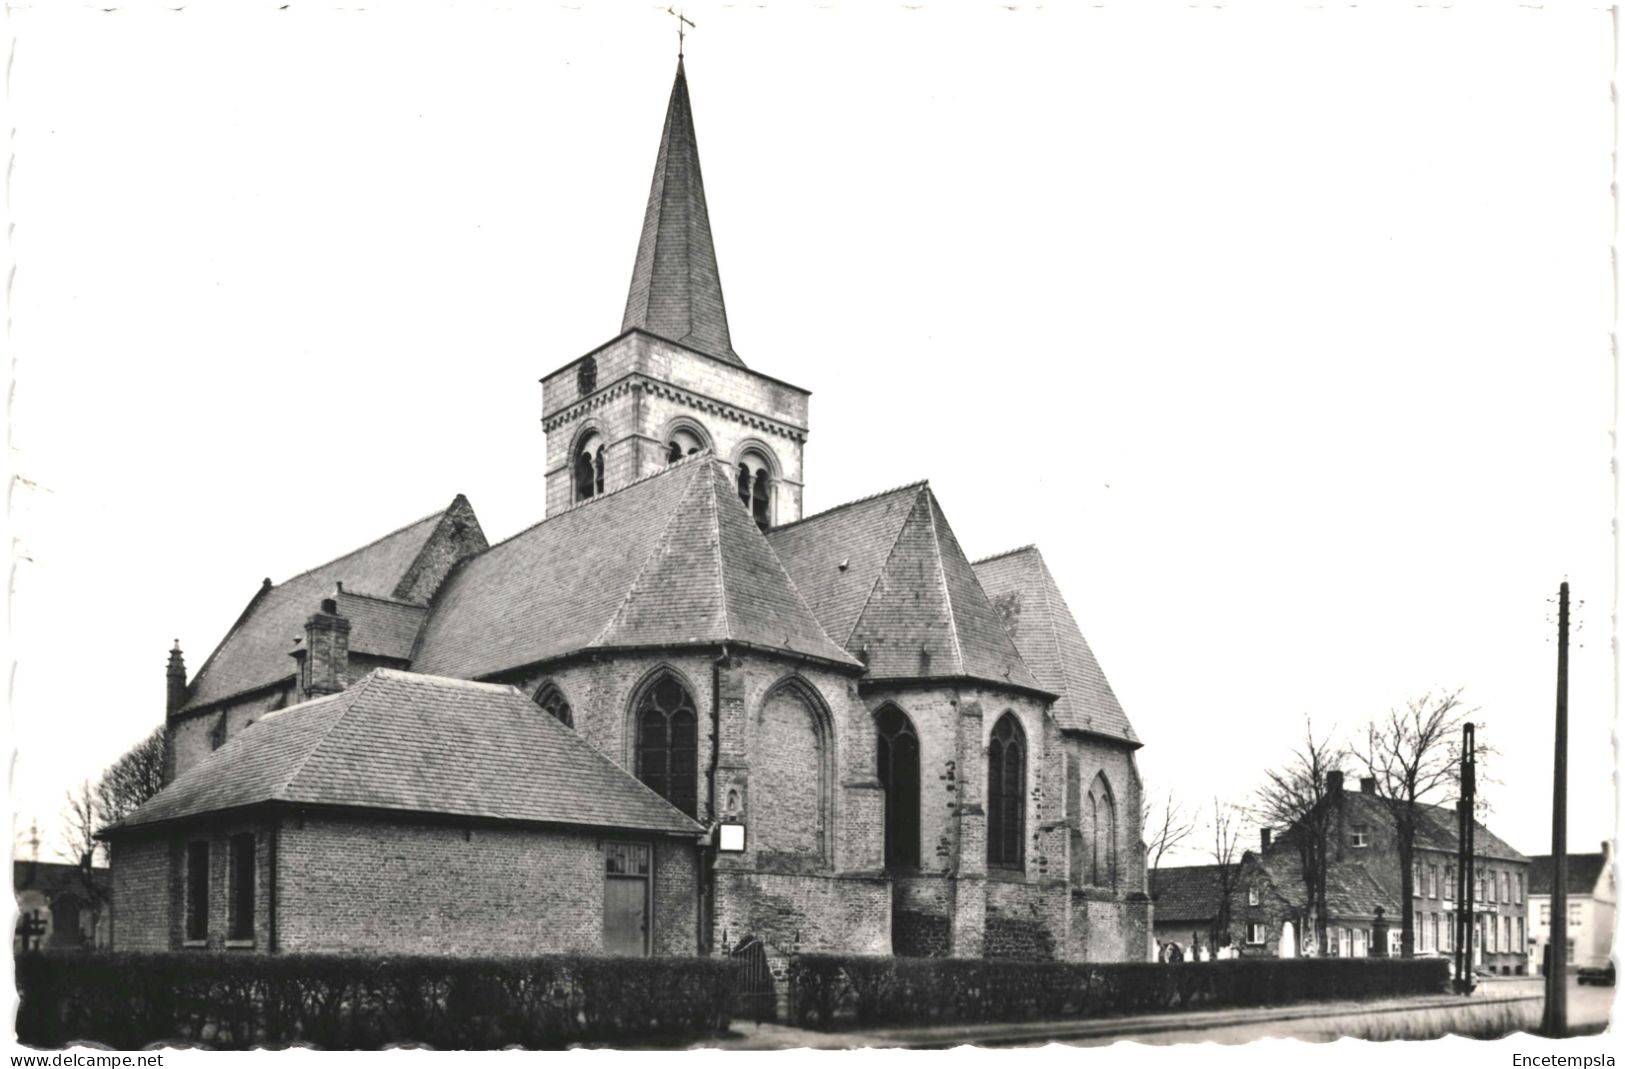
x,y
667,746
552,699
589,467
1006,791
898,753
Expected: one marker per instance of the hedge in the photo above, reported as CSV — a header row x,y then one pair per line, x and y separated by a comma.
x,y
129,1001
830,990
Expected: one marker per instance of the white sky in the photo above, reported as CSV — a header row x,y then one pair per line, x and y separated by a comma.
x,y
1285,334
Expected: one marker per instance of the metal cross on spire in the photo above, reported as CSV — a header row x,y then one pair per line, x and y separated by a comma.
x,y
683,22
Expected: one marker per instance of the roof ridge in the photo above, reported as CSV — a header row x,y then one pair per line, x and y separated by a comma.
x,y
703,454
1005,553
916,484
387,601
880,572
354,693
654,551
722,570
942,577
407,676
403,527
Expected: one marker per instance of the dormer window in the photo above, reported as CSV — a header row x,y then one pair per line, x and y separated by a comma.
x,y
589,466
755,481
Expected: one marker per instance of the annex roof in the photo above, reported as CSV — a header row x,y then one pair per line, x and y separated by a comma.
x,y
887,579
1038,619
408,743
1583,872
1188,892
673,560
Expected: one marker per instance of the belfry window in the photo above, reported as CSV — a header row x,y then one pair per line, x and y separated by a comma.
x,y
682,443
667,745
589,467
755,482
898,750
552,699
1006,790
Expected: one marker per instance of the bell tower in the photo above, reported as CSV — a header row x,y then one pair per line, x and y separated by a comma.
x,y
670,384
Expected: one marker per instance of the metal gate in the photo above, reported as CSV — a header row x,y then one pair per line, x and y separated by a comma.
x,y
755,995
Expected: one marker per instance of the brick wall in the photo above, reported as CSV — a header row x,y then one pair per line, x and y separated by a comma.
x,y
141,894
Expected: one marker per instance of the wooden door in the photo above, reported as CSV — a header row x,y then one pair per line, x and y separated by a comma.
x,y
626,899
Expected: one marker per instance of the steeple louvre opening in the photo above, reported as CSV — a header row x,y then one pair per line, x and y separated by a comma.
x,y
676,292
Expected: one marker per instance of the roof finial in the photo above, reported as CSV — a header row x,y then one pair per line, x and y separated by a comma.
x,y
682,21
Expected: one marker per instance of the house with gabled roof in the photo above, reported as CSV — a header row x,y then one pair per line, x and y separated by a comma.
x,y
826,732
1588,923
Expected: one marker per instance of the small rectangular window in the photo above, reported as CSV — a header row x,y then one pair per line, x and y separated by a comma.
x,y
240,925
1545,914
1574,914
1255,934
1360,836
1252,896
197,891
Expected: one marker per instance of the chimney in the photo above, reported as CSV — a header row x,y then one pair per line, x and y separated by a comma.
x,y
1264,839
324,658
1334,783
177,681
1368,785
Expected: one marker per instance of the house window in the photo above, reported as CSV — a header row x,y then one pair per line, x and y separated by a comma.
x,y
1255,934
1517,887
240,924
667,748
1495,935
1574,914
552,699
589,466
1545,914
1450,883
1252,896
1360,836
1006,791
1478,886
197,892
1449,931
1569,952
1506,887
898,751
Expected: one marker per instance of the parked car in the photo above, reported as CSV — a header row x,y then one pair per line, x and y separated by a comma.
x,y
1596,974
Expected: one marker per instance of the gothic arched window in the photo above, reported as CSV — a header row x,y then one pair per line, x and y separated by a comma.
x,y
589,466
667,742
1102,834
756,486
898,751
552,699
1006,790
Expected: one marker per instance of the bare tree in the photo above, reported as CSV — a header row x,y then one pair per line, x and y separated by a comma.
x,y
1414,754
1226,827
132,779
1297,798
1166,824
80,819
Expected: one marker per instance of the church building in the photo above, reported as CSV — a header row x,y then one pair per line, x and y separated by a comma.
x,y
674,716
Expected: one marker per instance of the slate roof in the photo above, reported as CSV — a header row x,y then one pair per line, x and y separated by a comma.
x,y
1583,873
1436,830
1187,892
673,560
887,579
255,651
1037,618
1352,891
381,627
417,744
52,878
676,292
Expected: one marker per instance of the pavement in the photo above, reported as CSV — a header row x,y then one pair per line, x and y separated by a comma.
x,y
1498,1005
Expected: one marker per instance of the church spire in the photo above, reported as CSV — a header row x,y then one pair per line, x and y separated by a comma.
x,y
676,292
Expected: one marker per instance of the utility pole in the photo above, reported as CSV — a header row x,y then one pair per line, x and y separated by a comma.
x,y
1466,929
1556,1020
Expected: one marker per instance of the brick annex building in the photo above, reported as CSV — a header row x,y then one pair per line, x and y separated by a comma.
x,y
432,744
